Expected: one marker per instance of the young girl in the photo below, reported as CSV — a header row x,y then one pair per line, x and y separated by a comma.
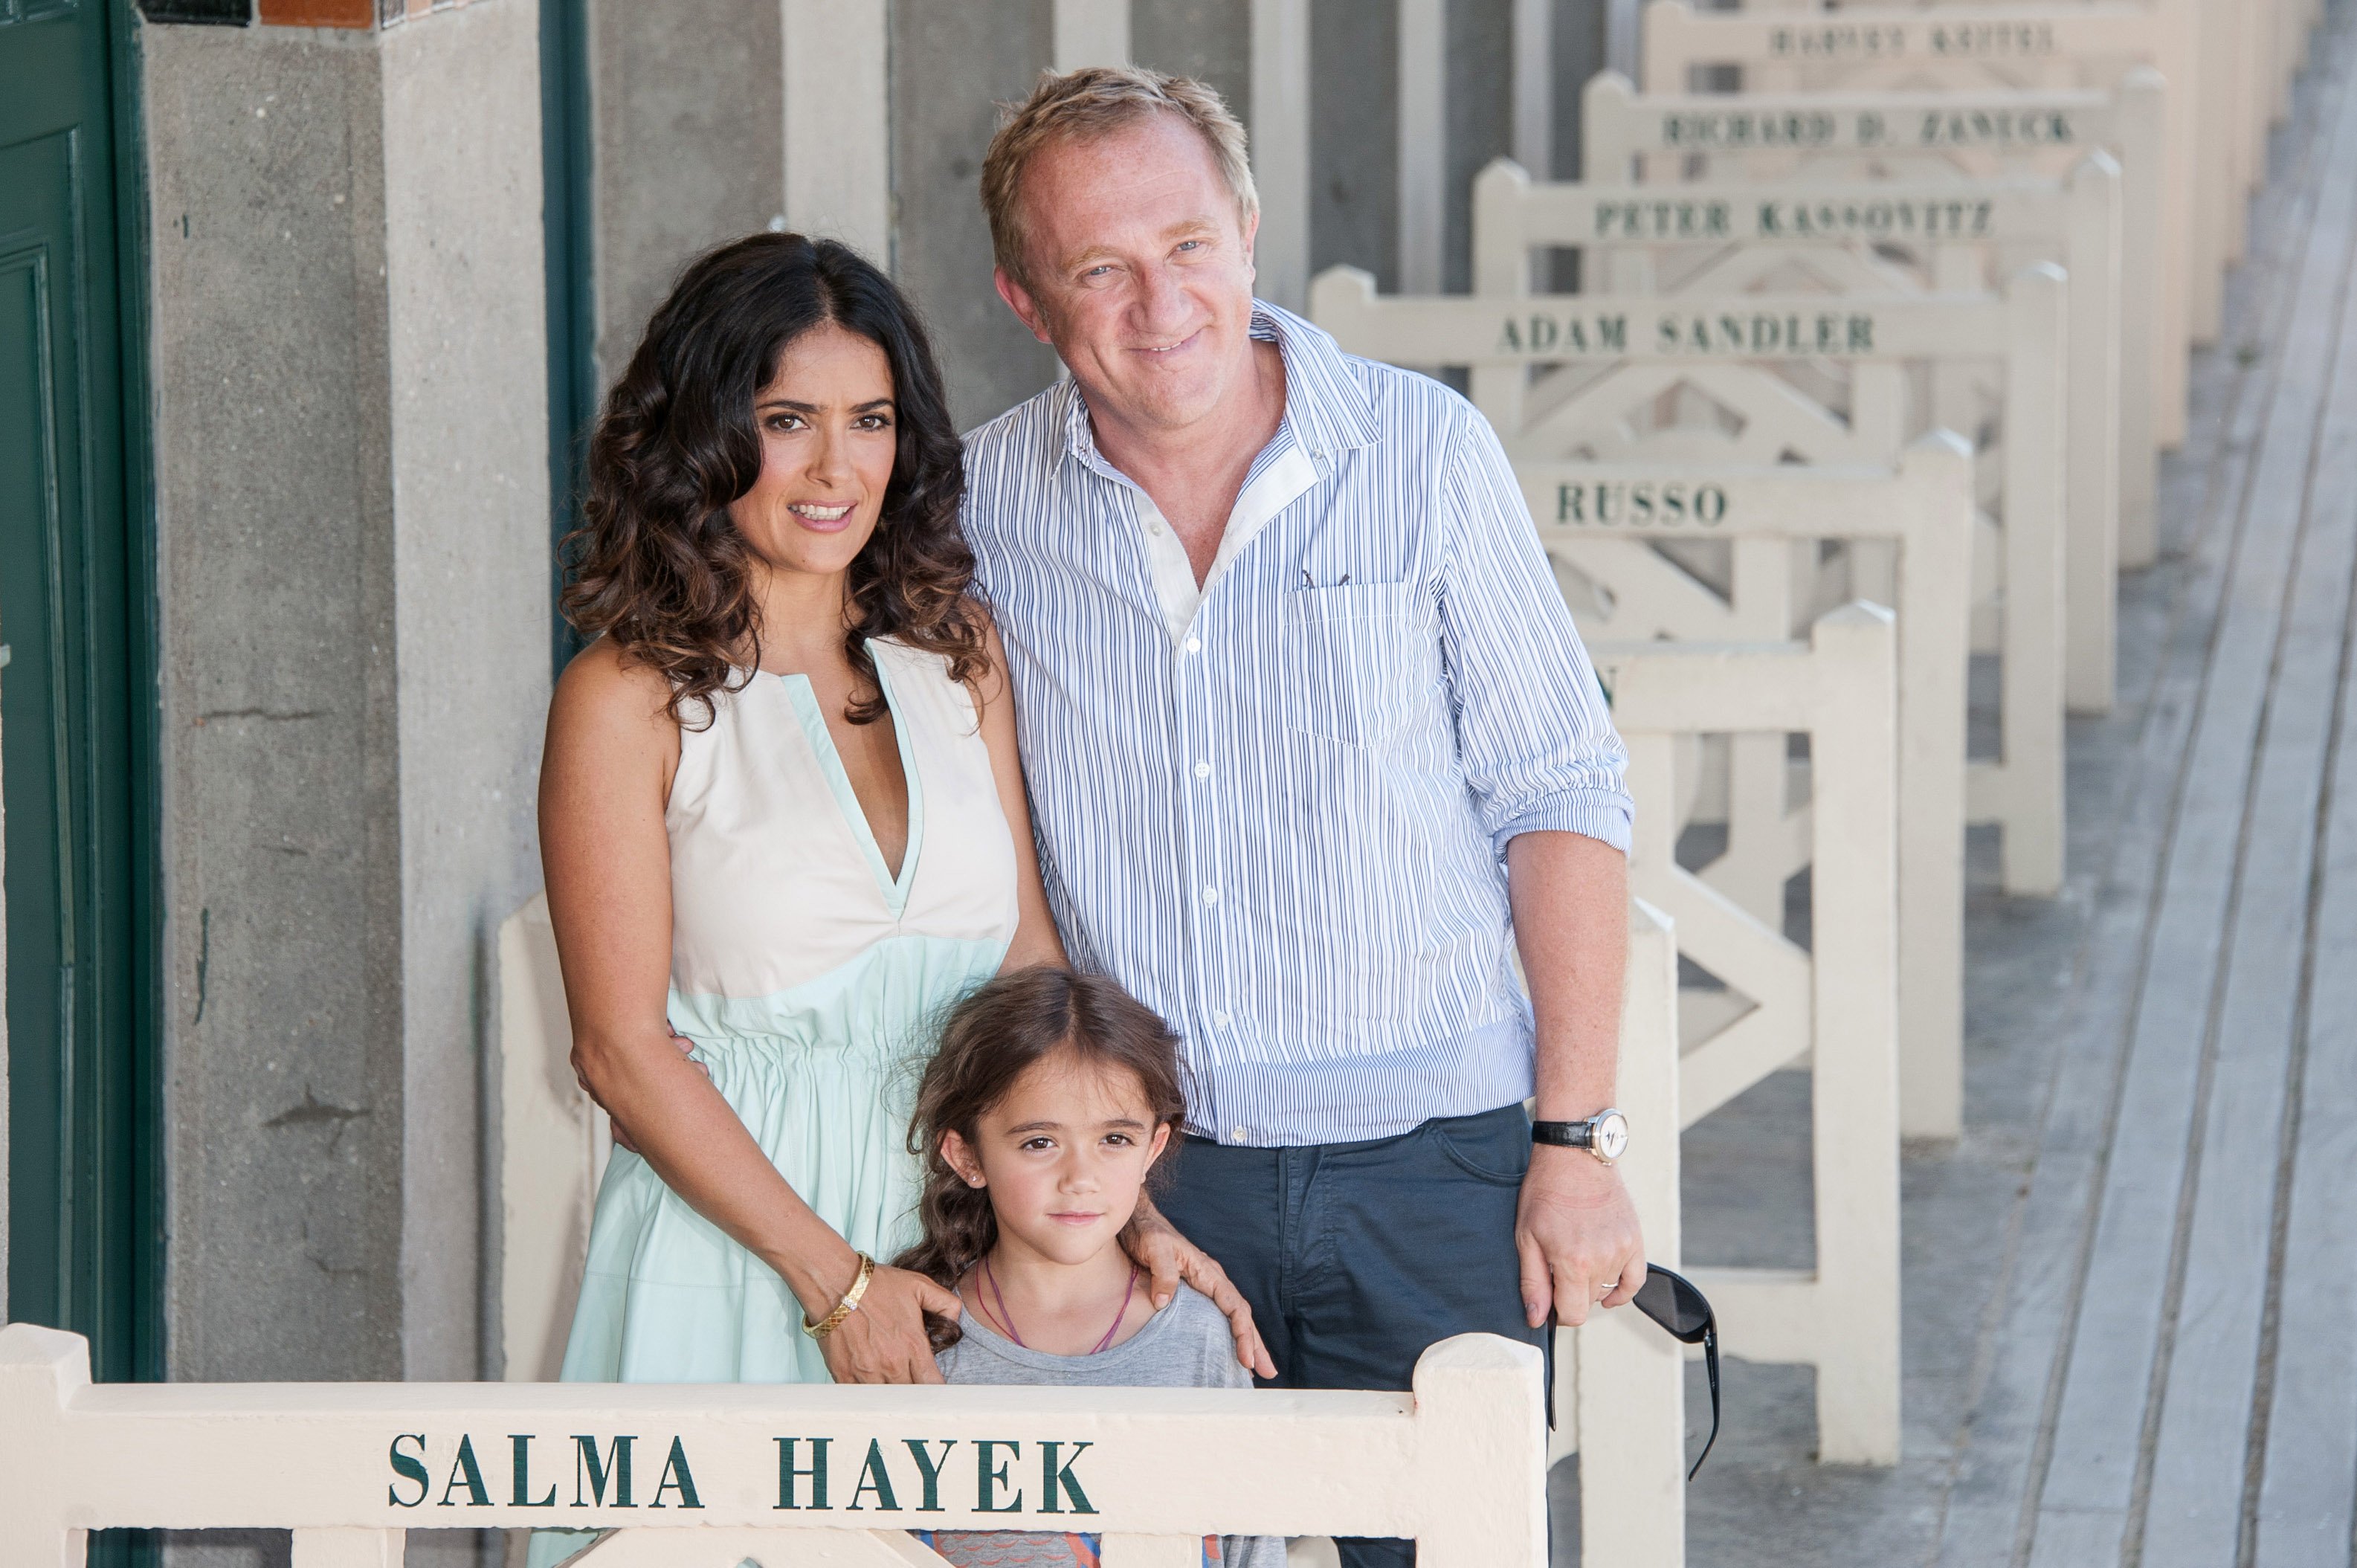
x,y
1049,1103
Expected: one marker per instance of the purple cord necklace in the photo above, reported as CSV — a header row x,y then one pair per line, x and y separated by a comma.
x,y
1005,1317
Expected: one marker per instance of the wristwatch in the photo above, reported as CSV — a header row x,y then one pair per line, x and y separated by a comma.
x,y
1604,1134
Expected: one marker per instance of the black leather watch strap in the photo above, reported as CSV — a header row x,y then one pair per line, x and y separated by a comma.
x,y
1564,1135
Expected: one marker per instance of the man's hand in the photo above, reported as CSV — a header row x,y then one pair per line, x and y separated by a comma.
x,y
1577,1232
1168,1257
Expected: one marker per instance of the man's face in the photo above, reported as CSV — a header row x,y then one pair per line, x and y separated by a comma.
x,y
1140,273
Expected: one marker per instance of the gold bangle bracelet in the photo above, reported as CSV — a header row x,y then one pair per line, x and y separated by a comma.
x,y
846,1306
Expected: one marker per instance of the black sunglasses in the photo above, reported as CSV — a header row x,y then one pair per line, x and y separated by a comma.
x,y
1684,1313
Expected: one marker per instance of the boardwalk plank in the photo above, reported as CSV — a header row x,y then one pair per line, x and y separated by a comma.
x,y
2195,1515
2095,1452
1983,1521
2305,1499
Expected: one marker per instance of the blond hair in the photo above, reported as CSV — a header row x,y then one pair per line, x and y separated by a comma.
x,y
1085,105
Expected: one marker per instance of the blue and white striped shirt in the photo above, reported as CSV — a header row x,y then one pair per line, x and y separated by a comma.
x,y
1277,815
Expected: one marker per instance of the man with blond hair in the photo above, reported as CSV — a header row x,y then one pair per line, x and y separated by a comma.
x,y
1313,752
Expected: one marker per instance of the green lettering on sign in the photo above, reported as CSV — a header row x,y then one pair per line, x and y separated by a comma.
x,y
520,1489
408,1469
464,1465
873,1477
1055,1477
590,1468
930,1469
677,1465
789,1473
988,1480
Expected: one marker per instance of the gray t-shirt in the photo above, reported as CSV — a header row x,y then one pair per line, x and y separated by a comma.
x,y
1185,1346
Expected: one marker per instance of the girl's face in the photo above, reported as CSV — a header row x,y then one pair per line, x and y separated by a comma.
x,y
1064,1155
828,438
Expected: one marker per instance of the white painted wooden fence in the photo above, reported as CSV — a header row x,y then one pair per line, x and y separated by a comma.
x,y
1833,1003
1932,236
707,1477
1728,552
553,1144
1695,379
1618,1380
1653,138
1980,47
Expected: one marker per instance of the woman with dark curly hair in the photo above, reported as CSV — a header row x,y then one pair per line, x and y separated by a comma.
x,y
783,826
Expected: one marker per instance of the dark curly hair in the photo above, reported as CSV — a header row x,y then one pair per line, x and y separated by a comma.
x,y
991,1039
658,566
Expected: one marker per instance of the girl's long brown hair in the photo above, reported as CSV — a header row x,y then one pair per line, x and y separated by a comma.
x,y
658,566
991,1039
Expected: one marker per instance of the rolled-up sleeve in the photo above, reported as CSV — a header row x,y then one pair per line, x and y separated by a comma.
x,y
1533,734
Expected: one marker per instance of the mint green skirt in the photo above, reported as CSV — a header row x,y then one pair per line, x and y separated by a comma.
x,y
824,1077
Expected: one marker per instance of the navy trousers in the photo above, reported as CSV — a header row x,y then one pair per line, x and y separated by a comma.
x,y
1357,1256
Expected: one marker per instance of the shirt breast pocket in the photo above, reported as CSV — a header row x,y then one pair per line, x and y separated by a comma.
x,y
1351,661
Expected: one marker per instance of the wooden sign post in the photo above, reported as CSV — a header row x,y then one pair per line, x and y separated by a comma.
x,y
1611,529
1983,48
1697,380
1835,1003
1937,236
1656,138
777,1473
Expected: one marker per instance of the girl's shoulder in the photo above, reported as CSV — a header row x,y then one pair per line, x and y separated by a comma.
x,y
1194,1333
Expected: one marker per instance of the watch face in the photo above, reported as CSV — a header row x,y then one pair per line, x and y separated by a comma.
x,y
1611,1135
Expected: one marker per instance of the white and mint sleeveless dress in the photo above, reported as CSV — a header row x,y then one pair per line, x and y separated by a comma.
x,y
812,981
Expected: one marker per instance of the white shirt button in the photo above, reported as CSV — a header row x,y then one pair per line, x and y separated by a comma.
x,y
1219,1020
1194,645
1238,1135
1203,770
1155,529
1211,894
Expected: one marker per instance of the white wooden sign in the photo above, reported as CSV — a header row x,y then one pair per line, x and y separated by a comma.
x,y
1936,236
707,1477
1656,138
1630,541
1980,47
1741,379
1834,1004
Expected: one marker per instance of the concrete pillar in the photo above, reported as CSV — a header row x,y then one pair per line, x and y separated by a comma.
x,y
953,61
351,473
1354,172
1481,122
1211,40
466,321
688,126
281,850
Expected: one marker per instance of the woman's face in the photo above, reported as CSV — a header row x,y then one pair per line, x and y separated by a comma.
x,y
828,434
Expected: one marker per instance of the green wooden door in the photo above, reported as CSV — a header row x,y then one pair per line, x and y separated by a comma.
x,y
75,700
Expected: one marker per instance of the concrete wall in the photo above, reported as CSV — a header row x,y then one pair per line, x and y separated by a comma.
x,y
350,390
467,319
953,61
274,508
689,150
688,146
1210,40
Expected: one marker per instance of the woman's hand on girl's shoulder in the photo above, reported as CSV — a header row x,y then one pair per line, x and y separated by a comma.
x,y
885,1340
